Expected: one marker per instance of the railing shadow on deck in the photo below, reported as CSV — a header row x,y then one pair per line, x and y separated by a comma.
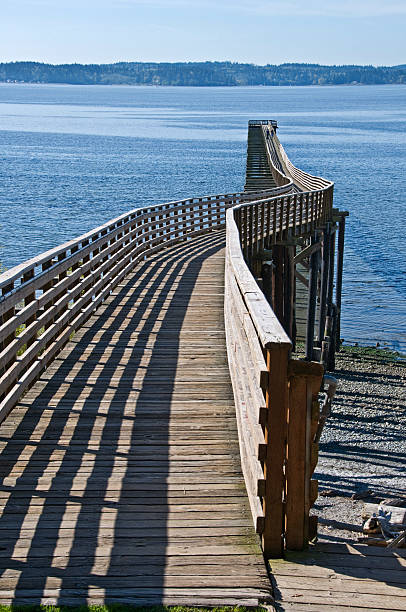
x,y
70,566
48,298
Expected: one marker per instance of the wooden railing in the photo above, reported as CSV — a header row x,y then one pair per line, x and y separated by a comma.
x,y
284,168
44,300
254,338
273,219
276,397
275,164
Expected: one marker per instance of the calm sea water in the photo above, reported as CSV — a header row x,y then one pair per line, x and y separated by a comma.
x,y
72,157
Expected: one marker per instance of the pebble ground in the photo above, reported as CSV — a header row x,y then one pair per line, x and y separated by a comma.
x,y
363,445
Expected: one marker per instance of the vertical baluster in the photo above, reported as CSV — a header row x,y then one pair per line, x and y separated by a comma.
x,y
288,207
300,228
27,277
268,221
324,279
262,237
311,304
6,316
275,205
46,288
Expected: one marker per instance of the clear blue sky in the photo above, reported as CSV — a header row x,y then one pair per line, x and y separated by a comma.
x,y
257,31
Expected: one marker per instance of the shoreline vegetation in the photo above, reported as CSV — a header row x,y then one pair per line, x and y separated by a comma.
x,y
200,74
380,354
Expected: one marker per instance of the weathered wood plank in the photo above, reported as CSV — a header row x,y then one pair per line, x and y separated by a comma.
x,y
121,470
340,576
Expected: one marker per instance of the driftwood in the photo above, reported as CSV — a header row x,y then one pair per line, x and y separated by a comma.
x,y
389,521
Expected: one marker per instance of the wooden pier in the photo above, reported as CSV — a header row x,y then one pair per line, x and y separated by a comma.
x,y
158,440
123,475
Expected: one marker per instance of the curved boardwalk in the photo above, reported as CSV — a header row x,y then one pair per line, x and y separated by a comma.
x,y
122,478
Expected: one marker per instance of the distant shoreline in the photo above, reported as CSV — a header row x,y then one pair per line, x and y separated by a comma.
x,y
200,74
150,85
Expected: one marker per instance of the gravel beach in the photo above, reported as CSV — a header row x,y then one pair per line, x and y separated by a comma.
x,y
363,445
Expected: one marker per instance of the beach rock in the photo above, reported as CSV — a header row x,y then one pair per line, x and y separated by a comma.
x,y
361,494
400,502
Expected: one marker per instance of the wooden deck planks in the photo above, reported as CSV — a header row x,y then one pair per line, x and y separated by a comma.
x,y
341,577
121,471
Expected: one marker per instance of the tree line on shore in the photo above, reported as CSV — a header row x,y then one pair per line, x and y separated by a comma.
x,y
200,74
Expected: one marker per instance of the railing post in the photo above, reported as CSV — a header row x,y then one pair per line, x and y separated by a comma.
x,y
3,319
331,319
275,437
27,300
289,292
303,415
277,281
325,271
340,263
311,305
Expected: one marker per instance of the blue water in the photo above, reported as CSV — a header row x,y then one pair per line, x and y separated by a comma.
x,y
72,157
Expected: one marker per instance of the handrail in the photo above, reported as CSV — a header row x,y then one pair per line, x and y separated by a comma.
x,y
260,367
253,333
278,174
280,162
275,396
32,267
45,299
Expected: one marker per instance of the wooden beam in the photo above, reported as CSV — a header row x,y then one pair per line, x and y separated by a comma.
x,y
339,281
275,438
277,282
325,269
311,304
307,252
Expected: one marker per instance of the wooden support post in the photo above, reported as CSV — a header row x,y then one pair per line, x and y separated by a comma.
x,y
292,254
331,320
339,282
267,280
296,464
325,269
311,304
303,413
289,291
9,314
277,281
275,438
330,361
286,291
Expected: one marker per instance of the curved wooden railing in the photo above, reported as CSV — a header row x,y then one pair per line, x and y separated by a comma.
x,y
283,167
306,181
253,335
276,398
44,300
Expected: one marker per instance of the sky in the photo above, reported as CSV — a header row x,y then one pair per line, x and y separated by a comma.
x,y
253,31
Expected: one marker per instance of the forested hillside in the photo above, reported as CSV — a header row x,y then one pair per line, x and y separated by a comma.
x,y
199,74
